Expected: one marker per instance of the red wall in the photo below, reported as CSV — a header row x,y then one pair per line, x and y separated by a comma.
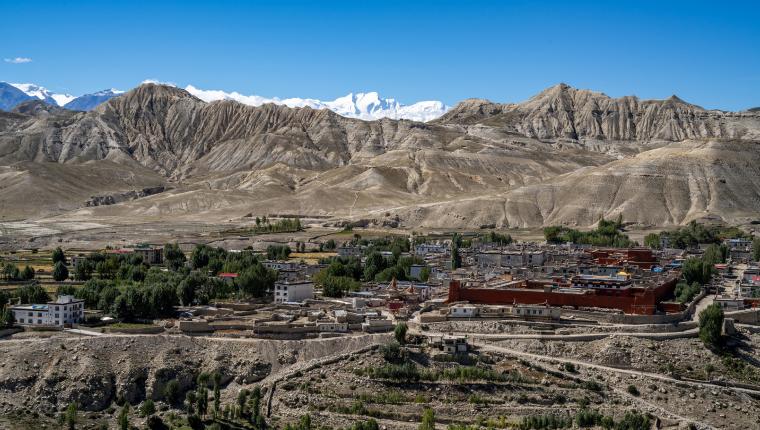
x,y
633,301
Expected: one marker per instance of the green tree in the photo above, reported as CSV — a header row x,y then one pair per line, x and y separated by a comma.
x,y
652,240
756,249
70,416
278,252
6,317
33,293
83,270
147,408
256,280
374,264
27,274
711,326
217,377
428,420
174,256
11,272
5,298
66,290
59,256
715,254
171,392
456,259
697,270
123,419
399,333
60,272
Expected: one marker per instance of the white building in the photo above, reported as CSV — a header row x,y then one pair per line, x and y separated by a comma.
x,y
293,292
463,311
332,327
430,248
350,251
65,310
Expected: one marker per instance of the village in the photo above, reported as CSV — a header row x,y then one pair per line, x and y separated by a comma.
x,y
370,285
361,311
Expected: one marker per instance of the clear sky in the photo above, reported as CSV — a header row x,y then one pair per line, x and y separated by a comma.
x,y
707,53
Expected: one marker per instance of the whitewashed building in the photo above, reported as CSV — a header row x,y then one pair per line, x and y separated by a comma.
x,y
65,310
293,292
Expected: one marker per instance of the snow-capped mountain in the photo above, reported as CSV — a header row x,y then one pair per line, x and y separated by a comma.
x,y
10,96
366,106
90,101
43,94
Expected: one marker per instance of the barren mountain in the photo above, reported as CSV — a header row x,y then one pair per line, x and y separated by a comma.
x,y
564,156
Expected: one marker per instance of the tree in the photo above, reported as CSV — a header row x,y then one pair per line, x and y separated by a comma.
x,y
756,249
425,274
171,392
374,264
11,272
33,293
70,416
83,270
697,270
652,240
27,274
60,272
456,259
174,256
711,326
400,333
66,290
58,256
123,419
6,317
428,420
715,254
217,377
278,252
256,280
147,408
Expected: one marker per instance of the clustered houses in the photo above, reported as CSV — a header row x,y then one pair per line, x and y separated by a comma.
x,y
744,286
540,281
152,255
64,311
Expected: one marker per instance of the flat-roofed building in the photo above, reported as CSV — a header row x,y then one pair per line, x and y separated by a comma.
x,y
293,292
65,310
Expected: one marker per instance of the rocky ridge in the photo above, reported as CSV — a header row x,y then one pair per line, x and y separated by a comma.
x,y
564,156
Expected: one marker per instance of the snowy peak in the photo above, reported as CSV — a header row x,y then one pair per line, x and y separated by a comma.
x,y
88,102
44,94
363,105
366,106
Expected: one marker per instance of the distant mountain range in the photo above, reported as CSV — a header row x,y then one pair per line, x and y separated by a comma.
x,y
366,106
566,156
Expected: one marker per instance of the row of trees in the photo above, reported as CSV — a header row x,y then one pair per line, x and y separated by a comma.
x,y
695,234
287,225
343,274
607,233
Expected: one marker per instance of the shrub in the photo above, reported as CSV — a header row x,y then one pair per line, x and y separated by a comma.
x,y
633,390
711,326
399,333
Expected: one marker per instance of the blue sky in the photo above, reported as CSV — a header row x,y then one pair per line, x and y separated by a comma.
x,y
708,53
